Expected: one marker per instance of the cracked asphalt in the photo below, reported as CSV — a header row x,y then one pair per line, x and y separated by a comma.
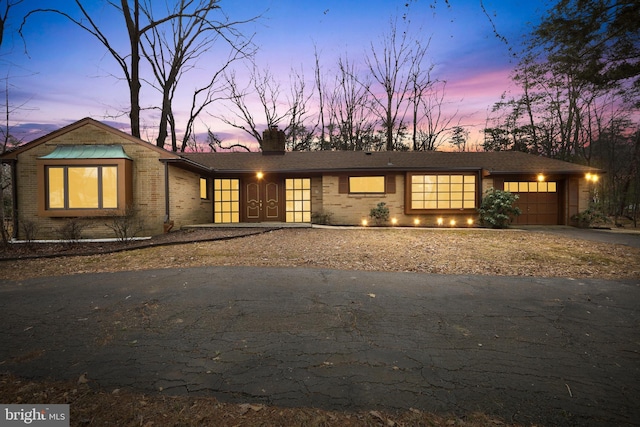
x,y
531,350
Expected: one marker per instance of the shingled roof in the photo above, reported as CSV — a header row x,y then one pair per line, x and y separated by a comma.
x,y
501,162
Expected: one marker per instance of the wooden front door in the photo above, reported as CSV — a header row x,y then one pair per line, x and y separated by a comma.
x,y
263,201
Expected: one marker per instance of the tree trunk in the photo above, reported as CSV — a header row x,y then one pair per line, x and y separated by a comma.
x,y
133,28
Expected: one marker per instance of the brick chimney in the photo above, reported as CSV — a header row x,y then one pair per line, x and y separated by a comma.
x,y
273,141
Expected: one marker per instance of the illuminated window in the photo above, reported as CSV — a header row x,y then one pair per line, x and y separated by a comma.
x,y
298,200
204,189
366,184
530,187
82,187
443,191
226,200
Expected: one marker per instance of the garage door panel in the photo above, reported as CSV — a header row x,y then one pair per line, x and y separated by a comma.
x,y
537,207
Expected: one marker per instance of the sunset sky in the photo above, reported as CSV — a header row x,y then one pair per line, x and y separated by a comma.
x,y
60,74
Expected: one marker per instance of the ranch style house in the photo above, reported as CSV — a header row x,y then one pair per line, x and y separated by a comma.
x,y
90,172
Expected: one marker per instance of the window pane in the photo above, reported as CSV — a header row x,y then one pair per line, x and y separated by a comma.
x,y
298,200
109,187
552,187
366,184
56,188
83,187
226,196
204,194
443,191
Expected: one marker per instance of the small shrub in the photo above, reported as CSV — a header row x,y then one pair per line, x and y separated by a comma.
x,y
321,217
587,217
126,226
29,230
71,231
496,209
380,214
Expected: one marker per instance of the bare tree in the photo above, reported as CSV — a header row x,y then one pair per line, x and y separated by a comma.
x,y
264,86
434,123
319,86
172,50
420,83
129,61
298,137
216,144
391,65
351,109
268,91
7,140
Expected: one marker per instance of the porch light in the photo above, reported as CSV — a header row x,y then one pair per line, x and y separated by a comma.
x,y
440,221
452,223
591,177
259,175
416,221
541,177
394,220
365,222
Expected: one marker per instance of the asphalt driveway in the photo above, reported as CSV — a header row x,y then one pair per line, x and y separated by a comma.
x,y
531,350
622,236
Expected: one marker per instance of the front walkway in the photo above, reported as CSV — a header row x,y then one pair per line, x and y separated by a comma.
x,y
251,225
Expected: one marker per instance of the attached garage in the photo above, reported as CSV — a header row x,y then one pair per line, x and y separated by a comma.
x,y
538,201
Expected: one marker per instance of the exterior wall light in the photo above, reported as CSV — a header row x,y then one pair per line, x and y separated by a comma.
x,y
541,177
259,175
440,221
591,177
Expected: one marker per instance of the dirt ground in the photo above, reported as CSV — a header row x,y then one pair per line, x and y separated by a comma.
x,y
486,252
510,252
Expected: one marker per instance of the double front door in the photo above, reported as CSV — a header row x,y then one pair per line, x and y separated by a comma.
x,y
264,199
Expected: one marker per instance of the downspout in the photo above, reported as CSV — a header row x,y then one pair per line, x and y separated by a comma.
x,y
168,224
14,191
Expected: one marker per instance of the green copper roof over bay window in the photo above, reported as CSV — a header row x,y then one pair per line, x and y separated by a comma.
x,y
87,152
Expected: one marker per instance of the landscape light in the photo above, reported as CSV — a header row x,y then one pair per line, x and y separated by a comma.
x,y
452,223
470,221
440,221
416,221
394,220
365,222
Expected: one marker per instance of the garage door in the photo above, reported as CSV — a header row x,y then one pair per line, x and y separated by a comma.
x,y
538,202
